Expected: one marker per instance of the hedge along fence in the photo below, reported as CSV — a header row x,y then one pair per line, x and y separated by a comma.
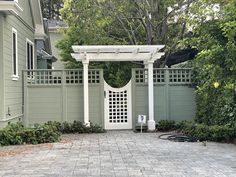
x,y
219,133
203,132
16,134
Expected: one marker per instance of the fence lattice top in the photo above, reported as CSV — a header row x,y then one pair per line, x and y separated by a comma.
x,y
161,76
75,77
58,77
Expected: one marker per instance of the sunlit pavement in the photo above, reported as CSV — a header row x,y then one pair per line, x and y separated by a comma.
x,y
119,154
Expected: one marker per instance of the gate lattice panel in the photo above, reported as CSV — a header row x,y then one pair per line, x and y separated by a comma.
x,y
118,107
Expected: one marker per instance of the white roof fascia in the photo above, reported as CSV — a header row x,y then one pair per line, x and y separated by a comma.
x,y
38,20
11,7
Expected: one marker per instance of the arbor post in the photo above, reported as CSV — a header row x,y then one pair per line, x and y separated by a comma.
x,y
151,121
86,92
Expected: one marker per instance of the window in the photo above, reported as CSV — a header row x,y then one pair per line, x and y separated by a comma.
x,y
29,54
14,55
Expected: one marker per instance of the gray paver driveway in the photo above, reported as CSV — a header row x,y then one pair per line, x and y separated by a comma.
x,y
119,153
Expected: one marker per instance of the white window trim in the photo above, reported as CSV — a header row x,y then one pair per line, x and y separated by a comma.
x,y
15,77
26,54
30,42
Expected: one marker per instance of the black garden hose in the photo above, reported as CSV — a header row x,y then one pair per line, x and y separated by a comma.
x,y
177,137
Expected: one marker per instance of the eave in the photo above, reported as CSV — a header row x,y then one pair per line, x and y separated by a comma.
x,y
10,7
45,56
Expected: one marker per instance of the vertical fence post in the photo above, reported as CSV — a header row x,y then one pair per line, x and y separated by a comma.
x,y
64,96
102,96
25,99
167,91
133,82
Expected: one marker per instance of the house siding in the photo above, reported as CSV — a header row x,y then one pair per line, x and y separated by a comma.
x,y
26,15
12,90
56,36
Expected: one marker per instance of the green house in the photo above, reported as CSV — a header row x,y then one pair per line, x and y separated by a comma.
x,y
24,44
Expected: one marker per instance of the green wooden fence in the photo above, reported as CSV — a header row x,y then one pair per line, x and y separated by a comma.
x,y
57,95
174,96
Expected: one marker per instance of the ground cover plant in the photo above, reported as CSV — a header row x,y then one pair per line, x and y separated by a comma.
x,y
166,125
17,134
75,127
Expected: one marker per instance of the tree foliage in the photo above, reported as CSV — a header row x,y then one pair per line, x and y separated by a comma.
x,y
215,67
134,22
51,8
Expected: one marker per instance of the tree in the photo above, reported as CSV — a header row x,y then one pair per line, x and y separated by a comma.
x,y
215,67
134,21
122,22
50,8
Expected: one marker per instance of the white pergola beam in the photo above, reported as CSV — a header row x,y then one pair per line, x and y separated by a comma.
x,y
120,48
112,56
117,56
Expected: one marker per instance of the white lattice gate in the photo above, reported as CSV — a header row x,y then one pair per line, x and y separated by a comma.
x,y
118,107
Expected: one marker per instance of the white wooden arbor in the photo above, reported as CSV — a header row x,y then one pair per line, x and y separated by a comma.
x,y
146,53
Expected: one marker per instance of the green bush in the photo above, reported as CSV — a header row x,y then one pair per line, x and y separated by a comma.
x,y
76,127
203,132
214,68
186,127
166,125
16,134
219,133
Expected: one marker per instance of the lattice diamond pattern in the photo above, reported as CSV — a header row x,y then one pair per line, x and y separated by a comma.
x,y
118,112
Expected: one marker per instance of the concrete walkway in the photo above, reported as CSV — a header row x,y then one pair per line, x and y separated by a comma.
x,y
119,154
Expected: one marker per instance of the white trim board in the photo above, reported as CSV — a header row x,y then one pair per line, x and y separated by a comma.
x,y
10,7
